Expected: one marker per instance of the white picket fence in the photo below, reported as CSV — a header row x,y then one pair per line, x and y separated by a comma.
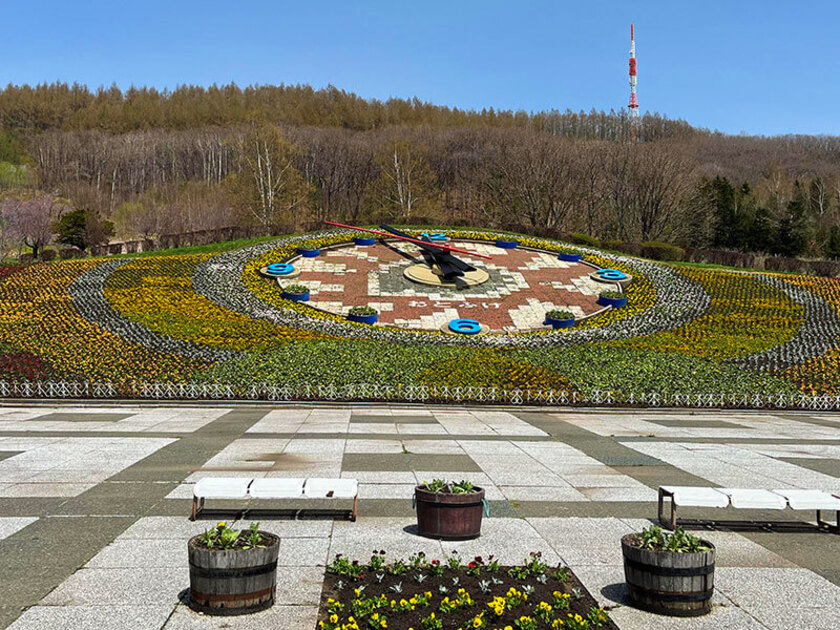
x,y
402,393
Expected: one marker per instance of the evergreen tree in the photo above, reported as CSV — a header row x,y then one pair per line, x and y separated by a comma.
x,y
83,228
761,236
832,248
792,237
723,204
734,213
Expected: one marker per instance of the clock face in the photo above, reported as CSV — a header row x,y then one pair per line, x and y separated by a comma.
x,y
514,291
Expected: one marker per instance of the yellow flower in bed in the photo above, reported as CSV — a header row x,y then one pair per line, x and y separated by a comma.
x,y
37,315
746,316
168,305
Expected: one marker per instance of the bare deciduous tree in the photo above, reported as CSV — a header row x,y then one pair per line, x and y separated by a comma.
x,y
406,185
30,219
269,183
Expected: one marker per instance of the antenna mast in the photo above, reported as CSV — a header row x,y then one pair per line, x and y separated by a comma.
x,y
634,101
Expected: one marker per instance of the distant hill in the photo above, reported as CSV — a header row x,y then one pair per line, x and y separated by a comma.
x,y
75,107
198,158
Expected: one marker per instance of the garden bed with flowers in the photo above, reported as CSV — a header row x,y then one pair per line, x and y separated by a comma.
x,y
421,593
208,319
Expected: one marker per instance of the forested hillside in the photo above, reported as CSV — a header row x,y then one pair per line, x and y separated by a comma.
x,y
198,158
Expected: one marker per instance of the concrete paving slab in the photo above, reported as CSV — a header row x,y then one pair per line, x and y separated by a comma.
x,y
276,618
386,491
511,540
432,447
399,477
542,493
776,590
397,536
584,541
292,528
10,524
99,617
97,587
303,552
300,586
722,617
153,553
526,473
408,462
620,494
373,446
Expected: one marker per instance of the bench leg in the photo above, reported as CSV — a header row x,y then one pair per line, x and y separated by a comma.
x,y
671,523
198,505
835,528
660,506
673,514
355,508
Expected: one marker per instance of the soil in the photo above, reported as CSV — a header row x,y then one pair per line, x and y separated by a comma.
x,y
462,617
267,540
635,540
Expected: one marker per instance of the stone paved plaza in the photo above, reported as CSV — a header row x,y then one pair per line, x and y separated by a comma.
x,y
94,502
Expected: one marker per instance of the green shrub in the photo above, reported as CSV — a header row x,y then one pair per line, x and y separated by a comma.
x,y
296,289
611,295
633,249
363,311
584,239
450,487
560,315
662,251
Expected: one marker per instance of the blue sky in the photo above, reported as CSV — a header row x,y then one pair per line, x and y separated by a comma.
x,y
761,67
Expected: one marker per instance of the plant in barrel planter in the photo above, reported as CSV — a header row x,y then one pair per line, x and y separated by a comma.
x,y
296,293
559,319
232,572
616,299
363,315
446,509
569,256
669,574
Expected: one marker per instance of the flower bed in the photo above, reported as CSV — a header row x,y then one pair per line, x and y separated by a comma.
x,y
236,285
205,318
428,594
817,375
745,316
37,316
157,293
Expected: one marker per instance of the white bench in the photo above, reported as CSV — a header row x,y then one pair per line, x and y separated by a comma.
x,y
247,488
745,498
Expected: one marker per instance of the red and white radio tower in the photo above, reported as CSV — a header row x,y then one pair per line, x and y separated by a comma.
x,y
634,102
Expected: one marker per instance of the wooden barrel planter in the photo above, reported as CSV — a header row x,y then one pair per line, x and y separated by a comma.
x,y
669,583
233,582
448,515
